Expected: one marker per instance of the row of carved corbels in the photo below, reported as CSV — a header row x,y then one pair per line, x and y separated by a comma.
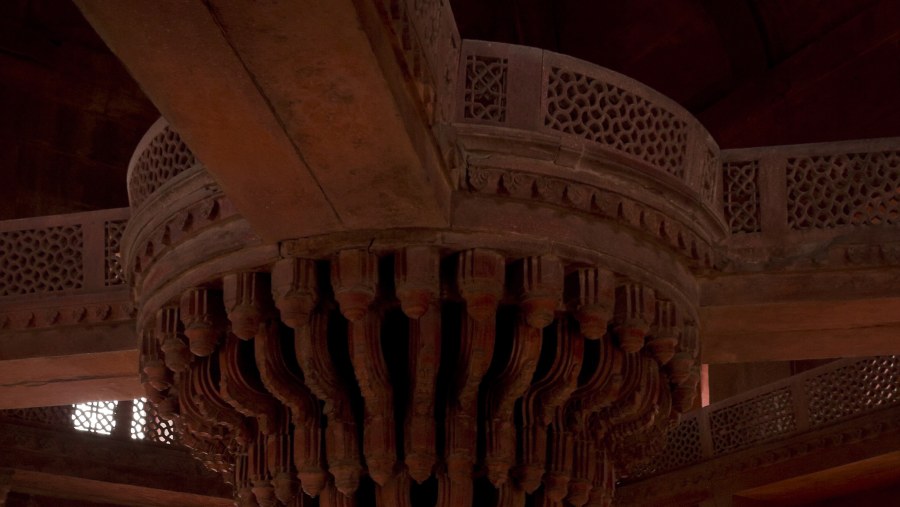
x,y
555,402
354,276
541,293
289,443
418,285
216,397
296,294
592,299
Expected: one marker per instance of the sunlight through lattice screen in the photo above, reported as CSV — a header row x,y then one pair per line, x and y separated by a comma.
x,y
95,417
146,424
138,419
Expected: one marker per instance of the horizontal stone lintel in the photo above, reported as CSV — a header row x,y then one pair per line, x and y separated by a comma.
x,y
65,463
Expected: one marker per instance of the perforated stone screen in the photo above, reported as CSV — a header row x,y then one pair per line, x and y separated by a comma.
x,y
95,417
113,236
41,260
854,389
101,417
146,424
755,420
847,189
742,196
604,113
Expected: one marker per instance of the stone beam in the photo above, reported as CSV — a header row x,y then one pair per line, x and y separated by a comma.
x,y
105,369
806,315
44,461
301,111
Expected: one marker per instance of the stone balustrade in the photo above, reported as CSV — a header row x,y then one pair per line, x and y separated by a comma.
x,y
812,187
62,269
586,112
831,394
839,203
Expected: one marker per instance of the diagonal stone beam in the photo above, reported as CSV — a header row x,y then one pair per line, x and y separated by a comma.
x,y
300,110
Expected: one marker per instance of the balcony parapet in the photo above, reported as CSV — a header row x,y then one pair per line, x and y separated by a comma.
x,y
63,269
544,130
160,156
835,204
582,111
831,394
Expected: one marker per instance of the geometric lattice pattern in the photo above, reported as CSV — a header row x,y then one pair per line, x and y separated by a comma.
x,y
147,425
95,417
854,189
485,97
113,265
742,196
683,447
834,393
100,417
857,388
760,418
164,158
41,260
606,114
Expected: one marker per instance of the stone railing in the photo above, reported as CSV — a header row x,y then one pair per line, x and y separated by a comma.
x,y
814,187
833,393
593,111
46,261
61,253
160,156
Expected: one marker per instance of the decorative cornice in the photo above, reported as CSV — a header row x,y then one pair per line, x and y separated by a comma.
x,y
594,201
